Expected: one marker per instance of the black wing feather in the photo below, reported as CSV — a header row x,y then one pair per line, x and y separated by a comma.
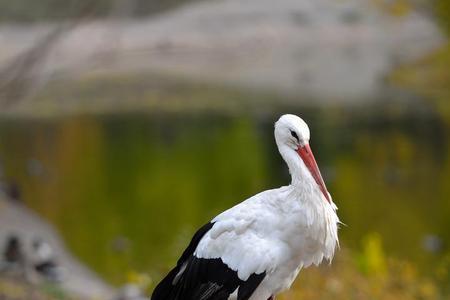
x,y
246,290
204,279
165,287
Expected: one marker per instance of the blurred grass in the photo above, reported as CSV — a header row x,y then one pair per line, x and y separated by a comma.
x,y
370,275
17,289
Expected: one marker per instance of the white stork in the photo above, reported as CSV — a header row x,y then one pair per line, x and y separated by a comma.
x,y
256,249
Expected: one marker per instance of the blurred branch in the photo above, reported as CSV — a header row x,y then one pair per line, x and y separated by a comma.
x,y
56,10
20,75
17,77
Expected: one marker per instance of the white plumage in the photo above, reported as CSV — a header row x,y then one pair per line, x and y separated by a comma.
x,y
275,233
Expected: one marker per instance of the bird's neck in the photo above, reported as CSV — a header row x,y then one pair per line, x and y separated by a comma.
x,y
302,181
303,186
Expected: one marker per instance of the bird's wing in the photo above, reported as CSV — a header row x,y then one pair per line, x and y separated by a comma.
x,y
166,287
201,278
230,255
243,242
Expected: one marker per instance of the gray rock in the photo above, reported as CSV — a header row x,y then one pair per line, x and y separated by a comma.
x,y
25,224
325,49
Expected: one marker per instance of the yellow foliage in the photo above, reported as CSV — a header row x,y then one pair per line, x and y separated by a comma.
x,y
397,8
142,280
10,289
389,278
373,260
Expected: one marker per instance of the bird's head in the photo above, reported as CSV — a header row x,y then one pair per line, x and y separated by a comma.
x,y
292,138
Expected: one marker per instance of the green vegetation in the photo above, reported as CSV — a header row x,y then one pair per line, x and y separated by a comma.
x,y
430,76
127,180
442,10
128,191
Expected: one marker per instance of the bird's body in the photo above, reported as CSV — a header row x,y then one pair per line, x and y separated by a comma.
x,y
255,250
276,232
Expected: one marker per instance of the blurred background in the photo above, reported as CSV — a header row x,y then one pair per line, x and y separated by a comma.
x,y
126,124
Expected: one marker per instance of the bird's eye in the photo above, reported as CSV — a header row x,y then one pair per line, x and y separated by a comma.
x,y
294,134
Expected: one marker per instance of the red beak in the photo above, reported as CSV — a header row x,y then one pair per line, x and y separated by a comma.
x,y
310,162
